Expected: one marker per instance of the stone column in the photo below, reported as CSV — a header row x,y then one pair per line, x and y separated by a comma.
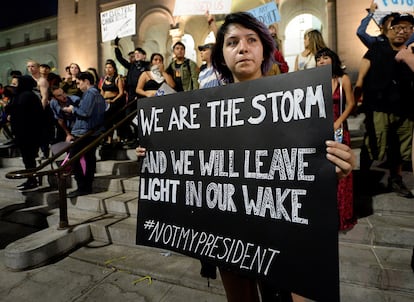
x,y
332,30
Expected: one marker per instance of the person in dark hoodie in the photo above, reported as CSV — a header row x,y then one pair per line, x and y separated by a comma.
x,y
135,68
26,120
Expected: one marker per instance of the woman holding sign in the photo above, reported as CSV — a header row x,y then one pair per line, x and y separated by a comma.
x,y
244,51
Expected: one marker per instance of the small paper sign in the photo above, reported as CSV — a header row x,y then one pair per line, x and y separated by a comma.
x,y
118,22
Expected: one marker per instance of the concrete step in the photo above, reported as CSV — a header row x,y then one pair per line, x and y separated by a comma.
x,y
382,230
31,216
131,184
391,203
7,162
376,273
108,202
126,167
110,182
117,230
104,185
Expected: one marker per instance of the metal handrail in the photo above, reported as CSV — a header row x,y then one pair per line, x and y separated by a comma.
x,y
63,171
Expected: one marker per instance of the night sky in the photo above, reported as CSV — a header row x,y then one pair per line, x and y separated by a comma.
x,y
20,12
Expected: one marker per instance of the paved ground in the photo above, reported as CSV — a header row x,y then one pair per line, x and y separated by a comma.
x,y
89,274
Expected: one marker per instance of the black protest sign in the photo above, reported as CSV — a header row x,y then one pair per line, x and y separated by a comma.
x,y
238,176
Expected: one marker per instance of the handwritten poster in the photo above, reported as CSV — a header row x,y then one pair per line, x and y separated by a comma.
x,y
238,176
118,22
395,5
267,13
199,7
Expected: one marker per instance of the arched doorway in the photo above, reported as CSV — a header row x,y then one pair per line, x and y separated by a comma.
x,y
153,32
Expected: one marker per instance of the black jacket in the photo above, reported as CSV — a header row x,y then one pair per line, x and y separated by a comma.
x,y
26,112
134,71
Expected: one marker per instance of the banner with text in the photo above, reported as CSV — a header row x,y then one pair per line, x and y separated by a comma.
x,y
238,176
267,13
395,5
200,7
118,22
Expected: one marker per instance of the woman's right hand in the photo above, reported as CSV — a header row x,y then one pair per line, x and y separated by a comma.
x,y
150,93
373,7
140,151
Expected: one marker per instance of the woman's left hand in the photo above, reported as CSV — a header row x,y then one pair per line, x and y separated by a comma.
x,y
337,125
161,67
342,156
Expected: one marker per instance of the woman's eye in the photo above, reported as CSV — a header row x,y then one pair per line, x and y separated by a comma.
x,y
252,40
231,43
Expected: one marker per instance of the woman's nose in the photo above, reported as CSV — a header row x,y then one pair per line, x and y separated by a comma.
x,y
243,46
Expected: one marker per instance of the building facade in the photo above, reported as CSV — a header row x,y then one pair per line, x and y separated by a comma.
x,y
75,34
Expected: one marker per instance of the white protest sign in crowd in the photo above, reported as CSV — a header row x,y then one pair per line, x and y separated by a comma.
x,y
199,7
395,5
118,22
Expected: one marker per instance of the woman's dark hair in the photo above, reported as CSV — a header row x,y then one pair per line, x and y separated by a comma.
x,y
86,75
15,73
94,73
337,67
9,91
156,54
248,21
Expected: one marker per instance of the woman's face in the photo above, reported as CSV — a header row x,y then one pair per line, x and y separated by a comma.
x,y
243,53
205,54
323,60
109,69
74,70
14,82
306,41
156,60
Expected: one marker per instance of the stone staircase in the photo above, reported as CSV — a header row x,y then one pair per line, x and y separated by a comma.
x,y
374,256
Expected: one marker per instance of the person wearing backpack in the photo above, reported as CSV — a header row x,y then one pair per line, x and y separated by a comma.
x,y
183,70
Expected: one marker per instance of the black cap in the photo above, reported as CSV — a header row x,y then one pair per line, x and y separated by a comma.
x,y
387,17
140,50
401,18
178,43
44,65
208,45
